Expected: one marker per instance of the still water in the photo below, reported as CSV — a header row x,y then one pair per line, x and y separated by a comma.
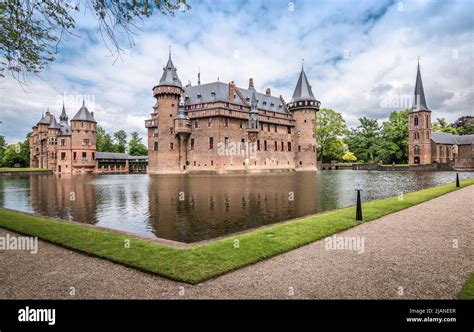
x,y
195,208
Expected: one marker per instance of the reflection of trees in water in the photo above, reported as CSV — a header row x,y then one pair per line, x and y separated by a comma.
x,y
64,196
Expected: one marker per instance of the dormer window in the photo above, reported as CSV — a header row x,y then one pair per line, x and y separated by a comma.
x,y
272,105
199,95
280,106
213,93
264,103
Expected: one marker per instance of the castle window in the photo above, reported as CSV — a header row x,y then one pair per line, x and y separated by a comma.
x,y
212,162
276,130
196,123
171,115
84,156
226,122
289,146
289,130
171,146
226,142
63,142
86,142
75,155
282,146
242,143
241,124
258,145
171,130
299,148
276,146
268,127
415,121
261,126
416,150
93,155
211,143
265,145
209,122
63,155
155,146
192,143
314,148
427,135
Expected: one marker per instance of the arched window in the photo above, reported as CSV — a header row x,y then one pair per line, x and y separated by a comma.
x,y
416,135
416,150
415,120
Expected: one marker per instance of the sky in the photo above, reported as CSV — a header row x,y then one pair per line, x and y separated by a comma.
x,y
359,56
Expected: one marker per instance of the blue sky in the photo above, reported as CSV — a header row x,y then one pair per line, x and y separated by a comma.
x,y
360,58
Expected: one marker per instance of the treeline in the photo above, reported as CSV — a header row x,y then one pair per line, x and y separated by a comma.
x,y
15,154
118,142
372,141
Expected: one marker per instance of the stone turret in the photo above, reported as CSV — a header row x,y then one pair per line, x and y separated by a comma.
x,y
304,106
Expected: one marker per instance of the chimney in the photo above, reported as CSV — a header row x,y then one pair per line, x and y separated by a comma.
x,y
231,91
251,87
92,113
268,92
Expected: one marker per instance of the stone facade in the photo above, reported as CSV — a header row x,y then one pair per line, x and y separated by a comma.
x,y
427,147
65,148
219,128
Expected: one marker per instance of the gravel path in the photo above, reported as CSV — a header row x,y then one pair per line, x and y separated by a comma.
x,y
408,254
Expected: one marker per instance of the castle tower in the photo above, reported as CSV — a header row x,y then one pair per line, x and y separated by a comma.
x,y
163,142
419,126
252,129
182,128
53,132
304,106
83,141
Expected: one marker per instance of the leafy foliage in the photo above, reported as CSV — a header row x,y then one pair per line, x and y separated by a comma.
x,y
31,31
136,147
330,129
442,125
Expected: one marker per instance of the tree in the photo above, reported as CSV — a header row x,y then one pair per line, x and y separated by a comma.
x,y
136,147
3,146
331,127
120,138
104,141
349,157
11,156
25,151
365,141
464,125
442,125
395,137
31,31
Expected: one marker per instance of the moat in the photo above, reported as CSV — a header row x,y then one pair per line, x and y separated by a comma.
x,y
201,207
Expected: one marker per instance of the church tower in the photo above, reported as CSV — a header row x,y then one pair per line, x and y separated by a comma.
x,y
304,106
419,126
164,145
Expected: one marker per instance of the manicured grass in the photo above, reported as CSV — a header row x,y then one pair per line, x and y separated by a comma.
x,y
467,292
25,169
196,264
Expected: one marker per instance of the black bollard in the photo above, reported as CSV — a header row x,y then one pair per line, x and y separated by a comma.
x,y
359,206
457,181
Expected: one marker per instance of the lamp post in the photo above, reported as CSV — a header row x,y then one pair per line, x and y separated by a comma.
x,y
359,206
457,181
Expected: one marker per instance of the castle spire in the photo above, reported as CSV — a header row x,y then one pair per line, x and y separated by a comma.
x,y
170,76
419,101
303,88
63,117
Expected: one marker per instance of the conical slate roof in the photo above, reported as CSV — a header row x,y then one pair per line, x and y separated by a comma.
x,y
83,114
170,77
303,89
419,101
45,119
54,124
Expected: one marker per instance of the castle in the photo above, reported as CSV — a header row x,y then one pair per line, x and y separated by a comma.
x,y
428,147
219,128
65,148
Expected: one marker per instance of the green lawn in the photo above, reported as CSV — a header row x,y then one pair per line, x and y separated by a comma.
x,y
467,292
196,264
20,169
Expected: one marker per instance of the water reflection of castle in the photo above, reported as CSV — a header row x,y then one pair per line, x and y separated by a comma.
x,y
185,209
